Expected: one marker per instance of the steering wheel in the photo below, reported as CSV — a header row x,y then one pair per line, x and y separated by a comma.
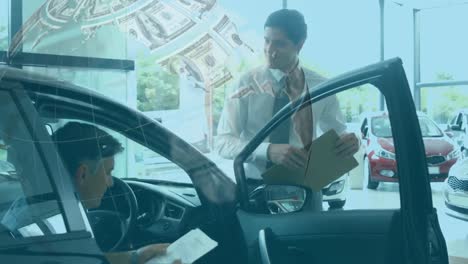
x,y
105,222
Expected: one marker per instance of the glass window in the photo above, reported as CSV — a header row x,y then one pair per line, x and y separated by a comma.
x,y
444,105
66,28
4,24
380,126
341,35
447,162
146,164
441,30
429,128
119,85
366,180
160,28
27,205
444,102
186,52
399,34
136,160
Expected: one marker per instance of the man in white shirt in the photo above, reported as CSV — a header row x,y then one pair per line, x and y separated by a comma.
x,y
254,101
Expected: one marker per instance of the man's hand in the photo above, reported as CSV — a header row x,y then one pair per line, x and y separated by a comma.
x,y
347,145
148,252
286,155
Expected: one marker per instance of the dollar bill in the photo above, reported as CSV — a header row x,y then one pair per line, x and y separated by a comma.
x,y
227,29
155,24
59,10
132,25
64,10
205,56
166,19
121,4
198,7
99,8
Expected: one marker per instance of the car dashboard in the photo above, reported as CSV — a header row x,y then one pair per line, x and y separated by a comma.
x,y
165,212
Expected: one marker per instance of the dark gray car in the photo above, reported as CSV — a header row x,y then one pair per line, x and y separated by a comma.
x,y
161,209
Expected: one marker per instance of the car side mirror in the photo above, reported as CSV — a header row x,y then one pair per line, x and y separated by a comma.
x,y
278,199
449,134
364,133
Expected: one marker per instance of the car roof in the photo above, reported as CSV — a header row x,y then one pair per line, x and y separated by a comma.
x,y
40,81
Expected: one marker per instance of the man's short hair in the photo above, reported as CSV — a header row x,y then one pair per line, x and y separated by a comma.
x,y
291,22
79,142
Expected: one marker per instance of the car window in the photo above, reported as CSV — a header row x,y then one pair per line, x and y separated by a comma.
x,y
429,128
368,179
28,204
381,127
460,119
454,120
136,160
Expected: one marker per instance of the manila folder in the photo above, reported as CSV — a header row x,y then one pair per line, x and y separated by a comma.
x,y
323,166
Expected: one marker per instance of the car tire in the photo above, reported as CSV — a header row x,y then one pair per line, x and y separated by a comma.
x,y
372,185
336,204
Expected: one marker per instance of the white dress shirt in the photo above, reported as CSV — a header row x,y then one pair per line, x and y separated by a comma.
x,y
249,107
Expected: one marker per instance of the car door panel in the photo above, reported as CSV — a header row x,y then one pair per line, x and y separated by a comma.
x,y
359,236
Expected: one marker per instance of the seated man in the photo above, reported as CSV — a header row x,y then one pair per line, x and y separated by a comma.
x,y
88,155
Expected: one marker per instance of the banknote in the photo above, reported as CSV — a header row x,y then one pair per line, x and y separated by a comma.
x,y
205,56
118,4
99,8
155,24
197,7
227,29
168,20
132,25
60,10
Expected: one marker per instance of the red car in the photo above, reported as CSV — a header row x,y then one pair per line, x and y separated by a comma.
x,y
379,156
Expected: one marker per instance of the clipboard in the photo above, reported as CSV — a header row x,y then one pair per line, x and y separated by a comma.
x,y
322,168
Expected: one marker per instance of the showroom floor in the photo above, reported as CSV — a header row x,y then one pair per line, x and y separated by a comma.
x,y
387,196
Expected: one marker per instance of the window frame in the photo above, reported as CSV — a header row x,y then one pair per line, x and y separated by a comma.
x,y
20,58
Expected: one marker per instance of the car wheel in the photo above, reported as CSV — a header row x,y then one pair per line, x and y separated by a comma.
x,y
336,204
367,175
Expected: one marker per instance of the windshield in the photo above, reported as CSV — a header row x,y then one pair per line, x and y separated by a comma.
x,y
381,127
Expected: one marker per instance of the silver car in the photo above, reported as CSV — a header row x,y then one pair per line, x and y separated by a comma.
x,y
456,190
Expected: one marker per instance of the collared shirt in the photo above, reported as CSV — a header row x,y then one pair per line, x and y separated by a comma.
x,y
250,106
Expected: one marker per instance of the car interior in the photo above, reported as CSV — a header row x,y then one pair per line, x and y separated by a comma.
x,y
156,211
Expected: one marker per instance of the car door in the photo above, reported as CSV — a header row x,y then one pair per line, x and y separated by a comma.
x,y
54,228
394,224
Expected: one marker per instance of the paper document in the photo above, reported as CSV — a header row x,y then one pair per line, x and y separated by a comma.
x,y
188,248
322,168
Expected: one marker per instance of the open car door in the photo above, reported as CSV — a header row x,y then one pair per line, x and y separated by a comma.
x,y
393,224
36,185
